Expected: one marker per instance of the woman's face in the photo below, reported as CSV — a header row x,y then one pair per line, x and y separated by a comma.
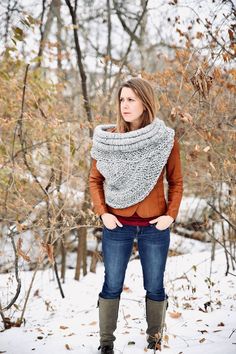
x,y
131,107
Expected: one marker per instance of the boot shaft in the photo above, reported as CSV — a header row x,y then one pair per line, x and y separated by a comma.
x,y
108,315
155,316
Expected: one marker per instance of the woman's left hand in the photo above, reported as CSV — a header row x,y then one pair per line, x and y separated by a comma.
x,y
162,222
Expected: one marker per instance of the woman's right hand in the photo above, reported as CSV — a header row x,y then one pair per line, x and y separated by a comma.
x,y
110,221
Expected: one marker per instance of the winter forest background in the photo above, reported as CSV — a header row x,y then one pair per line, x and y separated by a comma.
x,y
61,62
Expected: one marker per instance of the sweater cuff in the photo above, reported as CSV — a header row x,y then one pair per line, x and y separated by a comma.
x,y
101,209
172,214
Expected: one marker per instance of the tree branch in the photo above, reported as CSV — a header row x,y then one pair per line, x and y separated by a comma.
x,y
80,63
222,216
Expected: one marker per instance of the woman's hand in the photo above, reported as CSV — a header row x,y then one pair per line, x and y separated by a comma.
x,y
110,221
162,222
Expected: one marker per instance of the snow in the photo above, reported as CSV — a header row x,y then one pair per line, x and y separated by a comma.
x,y
57,325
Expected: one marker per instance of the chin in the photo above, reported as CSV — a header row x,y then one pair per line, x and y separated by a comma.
x,y
129,119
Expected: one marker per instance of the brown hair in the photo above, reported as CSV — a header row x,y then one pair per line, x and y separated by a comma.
x,y
145,92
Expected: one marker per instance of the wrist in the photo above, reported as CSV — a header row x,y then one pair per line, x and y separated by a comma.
x,y
170,217
101,216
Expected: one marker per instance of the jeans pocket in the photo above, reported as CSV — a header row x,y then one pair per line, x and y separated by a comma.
x,y
154,226
111,229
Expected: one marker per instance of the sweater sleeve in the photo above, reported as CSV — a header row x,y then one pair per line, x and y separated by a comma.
x,y
175,181
96,180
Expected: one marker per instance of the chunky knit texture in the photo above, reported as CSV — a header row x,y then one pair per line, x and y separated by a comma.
x,y
131,162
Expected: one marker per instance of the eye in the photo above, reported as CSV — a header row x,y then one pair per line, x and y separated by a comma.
x,y
131,99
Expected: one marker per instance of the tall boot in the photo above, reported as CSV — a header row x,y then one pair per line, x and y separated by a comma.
x,y
155,316
108,314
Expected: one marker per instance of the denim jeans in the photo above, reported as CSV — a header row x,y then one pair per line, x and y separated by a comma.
x,y
153,246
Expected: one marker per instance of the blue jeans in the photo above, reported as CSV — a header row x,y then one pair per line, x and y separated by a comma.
x,y
153,246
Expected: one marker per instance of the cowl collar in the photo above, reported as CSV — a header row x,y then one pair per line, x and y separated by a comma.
x,y
105,139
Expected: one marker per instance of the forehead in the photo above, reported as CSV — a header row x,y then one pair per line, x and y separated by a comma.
x,y
126,91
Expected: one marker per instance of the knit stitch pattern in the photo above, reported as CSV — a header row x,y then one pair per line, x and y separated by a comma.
x,y
131,162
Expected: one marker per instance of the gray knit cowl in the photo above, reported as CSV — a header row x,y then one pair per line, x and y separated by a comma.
x,y
131,162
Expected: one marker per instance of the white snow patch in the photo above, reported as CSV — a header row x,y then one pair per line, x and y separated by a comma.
x,y
189,285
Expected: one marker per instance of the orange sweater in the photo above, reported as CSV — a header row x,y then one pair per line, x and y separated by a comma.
x,y
154,204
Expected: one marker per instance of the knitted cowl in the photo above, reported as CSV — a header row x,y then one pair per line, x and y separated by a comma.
x,y
131,162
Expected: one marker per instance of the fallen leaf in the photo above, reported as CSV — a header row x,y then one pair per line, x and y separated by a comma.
x,y
187,305
158,347
202,331
63,327
200,309
67,347
166,338
131,343
175,314
127,289
93,323
221,324
202,340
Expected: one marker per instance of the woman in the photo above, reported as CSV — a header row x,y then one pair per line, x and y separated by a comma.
x,y
126,186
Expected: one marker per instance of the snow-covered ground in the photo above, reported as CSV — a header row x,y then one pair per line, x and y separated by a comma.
x,y
201,317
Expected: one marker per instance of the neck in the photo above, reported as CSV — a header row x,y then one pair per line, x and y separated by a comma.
x,y
134,125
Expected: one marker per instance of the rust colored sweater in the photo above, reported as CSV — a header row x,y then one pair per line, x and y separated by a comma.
x,y
154,204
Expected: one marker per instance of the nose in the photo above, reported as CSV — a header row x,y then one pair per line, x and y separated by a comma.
x,y
125,103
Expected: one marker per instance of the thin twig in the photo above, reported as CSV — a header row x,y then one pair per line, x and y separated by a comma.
x,y
13,300
223,217
58,280
28,293
222,245
234,330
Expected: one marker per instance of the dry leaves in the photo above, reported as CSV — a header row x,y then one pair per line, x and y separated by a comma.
x,y
207,148
63,327
175,314
202,82
93,323
48,249
202,331
127,289
166,339
185,117
221,324
20,252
